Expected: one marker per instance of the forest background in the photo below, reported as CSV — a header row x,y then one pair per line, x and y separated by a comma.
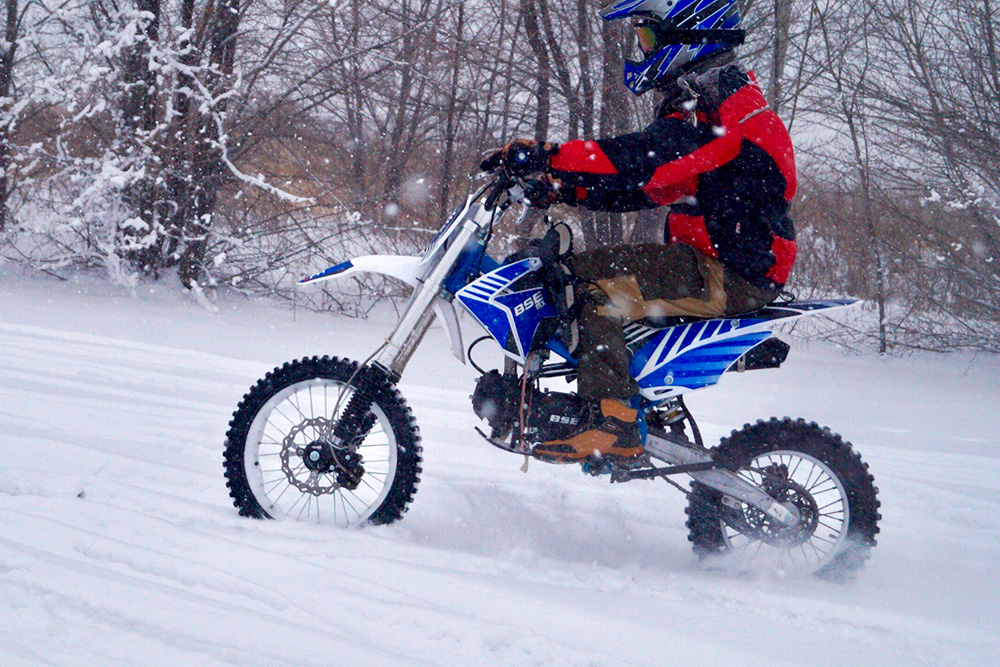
x,y
245,143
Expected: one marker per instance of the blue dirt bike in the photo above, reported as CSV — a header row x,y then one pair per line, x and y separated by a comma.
x,y
329,440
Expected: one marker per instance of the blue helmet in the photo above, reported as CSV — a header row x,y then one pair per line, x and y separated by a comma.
x,y
675,33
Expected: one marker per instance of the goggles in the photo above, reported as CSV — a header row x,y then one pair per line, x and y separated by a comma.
x,y
652,37
648,40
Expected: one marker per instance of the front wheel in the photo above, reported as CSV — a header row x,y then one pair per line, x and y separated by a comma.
x,y
281,461
798,464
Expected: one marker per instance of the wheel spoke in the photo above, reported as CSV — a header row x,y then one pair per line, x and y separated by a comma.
x,y
813,488
305,506
345,503
369,485
276,480
829,527
275,501
295,504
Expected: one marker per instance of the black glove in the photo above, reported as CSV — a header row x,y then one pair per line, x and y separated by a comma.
x,y
521,157
545,191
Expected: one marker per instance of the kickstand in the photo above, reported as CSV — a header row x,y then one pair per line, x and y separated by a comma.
x,y
503,446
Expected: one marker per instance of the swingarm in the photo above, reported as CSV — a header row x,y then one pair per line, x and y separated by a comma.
x,y
686,459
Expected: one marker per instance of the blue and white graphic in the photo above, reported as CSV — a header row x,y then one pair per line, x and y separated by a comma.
x,y
329,273
692,356
510,317
669,362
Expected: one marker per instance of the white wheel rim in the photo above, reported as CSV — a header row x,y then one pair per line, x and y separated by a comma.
x,y
318,397
834,518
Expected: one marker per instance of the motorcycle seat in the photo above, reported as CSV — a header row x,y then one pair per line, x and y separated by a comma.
x,y
774,311
664,322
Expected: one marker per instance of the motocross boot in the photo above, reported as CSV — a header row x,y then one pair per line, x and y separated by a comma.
x,y
611,431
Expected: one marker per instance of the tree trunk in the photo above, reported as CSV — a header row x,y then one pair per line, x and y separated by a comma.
x,y
606,229
139,107
853,117
779,54
451,129
8,122
583,18
208,166
538,47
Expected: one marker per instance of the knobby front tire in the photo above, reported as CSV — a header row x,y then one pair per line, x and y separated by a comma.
x,y
287,417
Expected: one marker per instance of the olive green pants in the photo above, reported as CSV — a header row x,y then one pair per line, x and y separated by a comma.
x,y
629,283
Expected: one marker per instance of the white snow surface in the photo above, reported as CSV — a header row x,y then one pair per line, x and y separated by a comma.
x,y
119,542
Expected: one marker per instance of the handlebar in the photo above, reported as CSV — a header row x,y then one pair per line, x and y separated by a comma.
x,y
513,186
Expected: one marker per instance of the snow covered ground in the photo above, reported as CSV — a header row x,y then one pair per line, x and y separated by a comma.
x,y
119,544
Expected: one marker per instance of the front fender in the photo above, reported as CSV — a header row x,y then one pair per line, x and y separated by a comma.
x,y
404,268
407,269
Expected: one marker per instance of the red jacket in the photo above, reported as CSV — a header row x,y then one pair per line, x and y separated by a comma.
x,y
725,168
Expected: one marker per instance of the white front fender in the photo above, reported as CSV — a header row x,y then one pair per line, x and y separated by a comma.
x,y
407,269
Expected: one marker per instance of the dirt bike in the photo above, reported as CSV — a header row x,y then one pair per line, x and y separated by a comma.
x,y
329,440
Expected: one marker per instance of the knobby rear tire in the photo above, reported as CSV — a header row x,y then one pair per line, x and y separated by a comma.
x,y
707,530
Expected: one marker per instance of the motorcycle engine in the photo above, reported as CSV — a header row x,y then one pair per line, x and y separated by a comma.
x,y
557,416
496,400
552,415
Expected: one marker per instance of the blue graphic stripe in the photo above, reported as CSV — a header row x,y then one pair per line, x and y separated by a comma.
x,y
737,345
692,333
680,376
710,328
332,271
674,335
681,6
478,294
703,365
698,384
713,19
726,358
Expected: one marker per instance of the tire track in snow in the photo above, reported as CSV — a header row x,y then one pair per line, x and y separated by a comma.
x,y
167,624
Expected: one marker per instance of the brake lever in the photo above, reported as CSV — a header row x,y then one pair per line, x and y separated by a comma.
x,y
503,183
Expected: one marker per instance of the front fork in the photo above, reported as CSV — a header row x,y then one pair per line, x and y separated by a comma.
x,y
399,347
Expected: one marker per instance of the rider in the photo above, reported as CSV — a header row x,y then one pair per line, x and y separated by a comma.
x,y
716,155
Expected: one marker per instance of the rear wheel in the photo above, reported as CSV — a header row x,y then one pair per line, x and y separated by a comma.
x,y
802,465
282,463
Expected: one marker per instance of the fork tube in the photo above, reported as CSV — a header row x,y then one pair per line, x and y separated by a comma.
x,y
419,313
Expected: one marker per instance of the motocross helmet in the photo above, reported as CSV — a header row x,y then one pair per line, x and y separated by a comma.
x,y
673,34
